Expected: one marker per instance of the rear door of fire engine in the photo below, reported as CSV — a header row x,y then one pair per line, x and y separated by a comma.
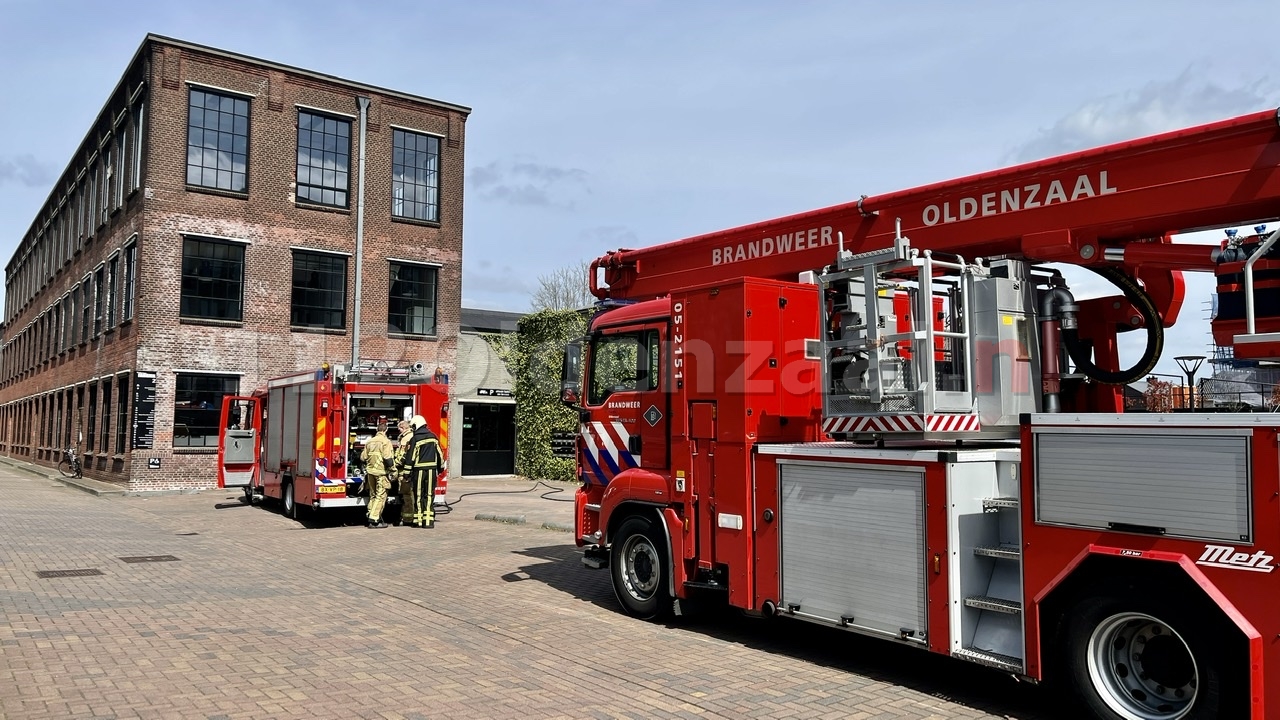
x,y
629,410
239,442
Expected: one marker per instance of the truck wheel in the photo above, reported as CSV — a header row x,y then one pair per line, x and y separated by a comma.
x,y
639,569
286,497
1136,659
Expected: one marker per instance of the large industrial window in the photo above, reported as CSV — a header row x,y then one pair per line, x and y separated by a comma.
x,y
112,266
412,308
122,163
319,290
324,154
415,176
217,141
68,321
623,363
197,406
122,411
212,279
91,420
104,208
93,199
138,141
86,308
99,298
107,410
127,286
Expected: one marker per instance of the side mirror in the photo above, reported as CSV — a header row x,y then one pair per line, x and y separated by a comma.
x,y
571,375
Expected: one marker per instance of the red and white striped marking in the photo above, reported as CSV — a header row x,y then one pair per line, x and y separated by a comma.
x,y
902,424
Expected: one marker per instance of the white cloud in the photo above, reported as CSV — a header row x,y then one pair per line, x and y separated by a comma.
x,y
25,170
523,182
1158,106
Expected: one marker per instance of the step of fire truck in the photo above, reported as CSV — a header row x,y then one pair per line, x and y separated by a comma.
x,y
1007,552
990,659
987,593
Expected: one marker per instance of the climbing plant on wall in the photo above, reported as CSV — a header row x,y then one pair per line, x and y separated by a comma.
x,y
535,361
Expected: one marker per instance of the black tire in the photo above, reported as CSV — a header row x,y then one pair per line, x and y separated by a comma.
x,y
1111,668
289,505
248,495
64,467
638,564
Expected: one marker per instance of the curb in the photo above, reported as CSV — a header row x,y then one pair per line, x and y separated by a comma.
x,y
509,519
93,487
520,520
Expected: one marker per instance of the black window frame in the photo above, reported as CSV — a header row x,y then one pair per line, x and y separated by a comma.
x,y
408,148
128,282
196,272
99,299
108,410
86,307
123,387
113,268
229,134
397,320
316,135
306,298
91,421
197,406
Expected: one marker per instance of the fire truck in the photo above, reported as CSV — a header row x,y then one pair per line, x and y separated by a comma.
x,y
893,417
298,440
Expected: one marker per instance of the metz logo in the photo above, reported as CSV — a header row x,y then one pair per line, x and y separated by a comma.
x,y
1225,556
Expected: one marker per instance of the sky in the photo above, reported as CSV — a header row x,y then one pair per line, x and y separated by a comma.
x,y
599,125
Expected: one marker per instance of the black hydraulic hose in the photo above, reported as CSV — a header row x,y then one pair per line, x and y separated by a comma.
x,y
1137,297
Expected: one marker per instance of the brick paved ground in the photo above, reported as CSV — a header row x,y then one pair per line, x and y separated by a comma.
x,y
263,617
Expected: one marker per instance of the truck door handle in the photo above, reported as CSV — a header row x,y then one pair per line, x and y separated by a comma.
x,y
633,445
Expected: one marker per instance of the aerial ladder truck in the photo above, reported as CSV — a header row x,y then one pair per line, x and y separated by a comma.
x,y
893,417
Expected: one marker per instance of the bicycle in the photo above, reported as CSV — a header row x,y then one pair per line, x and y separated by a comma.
x,y
69,465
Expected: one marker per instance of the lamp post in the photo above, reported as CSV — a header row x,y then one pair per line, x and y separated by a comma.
x,y
1190,364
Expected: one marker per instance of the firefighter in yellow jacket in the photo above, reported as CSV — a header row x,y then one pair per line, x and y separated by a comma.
x,y
378,458
422,460
404,485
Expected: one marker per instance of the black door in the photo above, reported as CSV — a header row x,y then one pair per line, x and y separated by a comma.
x,y
488,439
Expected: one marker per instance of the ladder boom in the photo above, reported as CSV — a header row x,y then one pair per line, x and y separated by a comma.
x,y
1082,208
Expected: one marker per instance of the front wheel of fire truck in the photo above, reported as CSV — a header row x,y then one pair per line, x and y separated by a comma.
x,y
1136,660
639,568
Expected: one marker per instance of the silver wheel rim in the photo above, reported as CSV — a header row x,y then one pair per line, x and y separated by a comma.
x,y
1142,668
640,567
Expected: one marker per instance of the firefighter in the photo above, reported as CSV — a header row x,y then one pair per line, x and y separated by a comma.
x,y
378,458
423,461
408,508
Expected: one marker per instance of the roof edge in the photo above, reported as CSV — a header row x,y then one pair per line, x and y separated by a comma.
x,y
186,45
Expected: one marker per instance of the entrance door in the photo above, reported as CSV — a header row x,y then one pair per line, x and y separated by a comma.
x,y
488,439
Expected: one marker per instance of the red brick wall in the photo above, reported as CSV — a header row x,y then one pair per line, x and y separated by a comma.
x,y
269,221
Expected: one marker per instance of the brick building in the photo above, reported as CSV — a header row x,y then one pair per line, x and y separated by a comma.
x,y
204,238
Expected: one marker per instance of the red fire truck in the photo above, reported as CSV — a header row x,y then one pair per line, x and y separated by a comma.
x,y
894,418
299,439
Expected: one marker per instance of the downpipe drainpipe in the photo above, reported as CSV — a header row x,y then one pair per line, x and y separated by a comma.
x,y
355,329
1057,310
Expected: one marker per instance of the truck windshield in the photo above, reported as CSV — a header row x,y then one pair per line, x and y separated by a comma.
x,y
623,363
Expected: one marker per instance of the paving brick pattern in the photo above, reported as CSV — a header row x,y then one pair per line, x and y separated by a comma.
x,y
264,617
